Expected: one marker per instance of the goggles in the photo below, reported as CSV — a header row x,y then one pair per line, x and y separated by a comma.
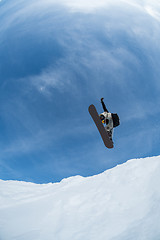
x,y
102,117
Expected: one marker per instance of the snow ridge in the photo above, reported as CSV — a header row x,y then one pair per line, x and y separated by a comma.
x,y
121,203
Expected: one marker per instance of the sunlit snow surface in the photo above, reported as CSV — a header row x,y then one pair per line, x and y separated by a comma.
x,y
121,203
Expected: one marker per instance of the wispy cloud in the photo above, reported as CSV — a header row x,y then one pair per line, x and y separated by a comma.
x,y
50,78
154,13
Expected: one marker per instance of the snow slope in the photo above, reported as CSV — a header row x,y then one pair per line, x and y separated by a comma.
x,y
121,203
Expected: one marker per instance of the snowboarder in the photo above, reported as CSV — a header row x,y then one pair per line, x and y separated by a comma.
x,y
110,119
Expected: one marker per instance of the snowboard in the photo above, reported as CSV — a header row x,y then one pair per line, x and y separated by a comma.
x,y
104,134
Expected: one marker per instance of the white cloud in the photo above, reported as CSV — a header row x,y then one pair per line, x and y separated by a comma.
x,y
50,78
152,12
85,6
90,6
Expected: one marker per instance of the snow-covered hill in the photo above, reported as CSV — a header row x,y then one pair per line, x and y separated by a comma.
x,y
121,203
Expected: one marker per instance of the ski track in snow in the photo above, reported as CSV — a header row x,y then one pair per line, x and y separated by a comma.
x,y
121,203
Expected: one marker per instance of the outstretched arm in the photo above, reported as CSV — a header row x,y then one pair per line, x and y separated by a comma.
x,y
104,106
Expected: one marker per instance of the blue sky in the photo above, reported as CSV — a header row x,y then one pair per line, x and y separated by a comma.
x,y
58,58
